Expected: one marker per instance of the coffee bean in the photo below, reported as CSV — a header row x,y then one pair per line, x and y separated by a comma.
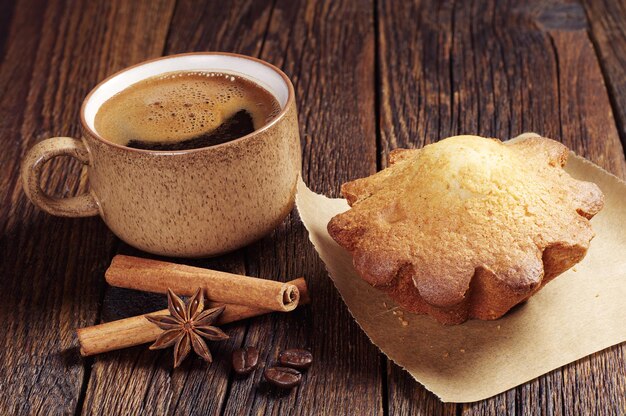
x,y
296,358
283,377
245,360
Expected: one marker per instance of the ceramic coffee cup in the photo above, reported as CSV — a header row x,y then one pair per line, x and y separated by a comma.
x,y
188,203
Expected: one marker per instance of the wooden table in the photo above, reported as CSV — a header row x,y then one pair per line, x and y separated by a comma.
x,y
370,76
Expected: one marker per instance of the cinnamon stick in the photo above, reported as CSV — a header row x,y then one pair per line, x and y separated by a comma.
x,y
138,330
156,276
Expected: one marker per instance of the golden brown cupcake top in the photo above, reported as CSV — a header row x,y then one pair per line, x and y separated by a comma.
x,y
467,207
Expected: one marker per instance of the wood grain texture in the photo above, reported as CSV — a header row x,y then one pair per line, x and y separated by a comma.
x,y
327,49
285,253
6,14
38,262
606,29
51,268
475,68
370,76
195,387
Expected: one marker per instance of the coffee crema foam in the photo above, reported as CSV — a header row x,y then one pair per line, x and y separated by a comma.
x,y
185,107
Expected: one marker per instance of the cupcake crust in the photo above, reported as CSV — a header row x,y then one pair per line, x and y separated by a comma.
x,y
467,227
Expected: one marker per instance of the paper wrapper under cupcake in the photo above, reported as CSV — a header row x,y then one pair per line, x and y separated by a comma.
x,y
582,311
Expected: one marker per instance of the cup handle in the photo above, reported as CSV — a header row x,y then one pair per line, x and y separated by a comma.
x,y
79,206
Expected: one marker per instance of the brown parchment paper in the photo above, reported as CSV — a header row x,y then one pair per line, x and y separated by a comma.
x,y
580,312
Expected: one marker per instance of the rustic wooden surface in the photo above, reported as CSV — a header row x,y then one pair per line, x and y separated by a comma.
x,y
370,76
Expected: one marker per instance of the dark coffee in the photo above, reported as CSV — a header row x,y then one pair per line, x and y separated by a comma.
x,y
245,360
296,358
185,110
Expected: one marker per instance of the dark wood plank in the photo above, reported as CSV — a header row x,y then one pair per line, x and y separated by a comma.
x,y
47,264
51,268
327,48
295,43
471,67
595,384
237,26
150,384
587,123
6,14
15,77
606,25
446,67
415,51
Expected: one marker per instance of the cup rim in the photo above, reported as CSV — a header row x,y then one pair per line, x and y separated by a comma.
x,y
279,117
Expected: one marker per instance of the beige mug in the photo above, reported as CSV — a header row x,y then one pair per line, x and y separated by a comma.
x,y
187,203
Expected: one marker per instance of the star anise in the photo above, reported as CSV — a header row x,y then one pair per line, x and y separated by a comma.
x,y
186,325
